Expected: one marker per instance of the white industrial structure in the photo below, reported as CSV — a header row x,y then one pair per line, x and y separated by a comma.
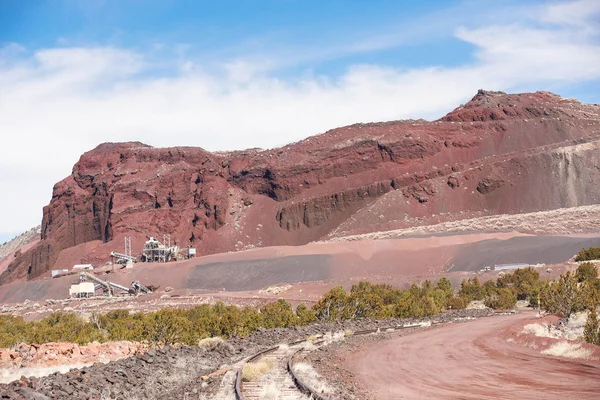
x,y
85,289
504,267
155,251
82,290
58,272
124,258
83,266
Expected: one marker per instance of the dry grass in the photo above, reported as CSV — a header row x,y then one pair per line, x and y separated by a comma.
x,y
270,392
212,343
539,330
312,378
255,370
308,346
568,350
312,339
332,337
571,330
284,347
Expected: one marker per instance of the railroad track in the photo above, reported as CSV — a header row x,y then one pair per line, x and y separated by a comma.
x,y
282,382
277,383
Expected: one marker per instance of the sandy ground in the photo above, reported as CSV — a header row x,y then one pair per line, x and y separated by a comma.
x,y
475,360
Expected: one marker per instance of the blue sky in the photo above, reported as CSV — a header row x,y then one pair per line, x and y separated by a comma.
x,y
236,74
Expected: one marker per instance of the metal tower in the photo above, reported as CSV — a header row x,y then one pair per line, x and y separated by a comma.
x,y
128,246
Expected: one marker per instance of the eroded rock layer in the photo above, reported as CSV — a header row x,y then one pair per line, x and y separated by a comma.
x,y
499,153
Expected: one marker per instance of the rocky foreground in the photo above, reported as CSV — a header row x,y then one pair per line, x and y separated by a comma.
x,y
182,372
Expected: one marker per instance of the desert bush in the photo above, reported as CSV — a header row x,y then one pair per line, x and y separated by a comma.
x,y
445,284
305,315
586,271
13,330
62,327
456,303
211,343
121,325
591,333
564,296
278,314
333,305
412,306
471,289
501,299
593,253
168,326
522,282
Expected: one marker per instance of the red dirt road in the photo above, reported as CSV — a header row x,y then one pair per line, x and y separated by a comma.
x,y
470,361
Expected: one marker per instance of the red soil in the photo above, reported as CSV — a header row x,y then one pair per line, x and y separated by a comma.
x,y
474,360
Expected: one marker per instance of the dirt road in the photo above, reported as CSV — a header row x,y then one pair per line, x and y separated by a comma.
x,y
474,360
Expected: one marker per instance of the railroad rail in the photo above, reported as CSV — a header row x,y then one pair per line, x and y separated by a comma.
x,y
292,386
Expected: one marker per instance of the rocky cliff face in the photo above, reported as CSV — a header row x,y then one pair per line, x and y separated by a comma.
x,y
499,153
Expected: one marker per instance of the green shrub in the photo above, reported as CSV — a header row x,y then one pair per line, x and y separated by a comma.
x,y
12,330
501,299
591,334
333,305
305,315
593,253
278,314
445,284
62,327
456,303
168,326
563,297
522,282
586,271
471,289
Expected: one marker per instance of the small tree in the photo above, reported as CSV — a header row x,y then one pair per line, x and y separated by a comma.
x,y
563,297
278,314
501,299
471,289
593,253
456,303
522,282
444,284
586,271
591,334
305,314
333,305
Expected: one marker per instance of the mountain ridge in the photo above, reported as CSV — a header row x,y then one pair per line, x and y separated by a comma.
x,y
486,157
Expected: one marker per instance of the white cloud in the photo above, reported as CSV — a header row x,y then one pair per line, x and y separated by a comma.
x,y
58,103
579,13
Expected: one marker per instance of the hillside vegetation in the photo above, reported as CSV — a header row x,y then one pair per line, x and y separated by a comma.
x,y
568,294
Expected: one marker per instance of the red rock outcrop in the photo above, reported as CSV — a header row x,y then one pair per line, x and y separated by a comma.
x,y
499,153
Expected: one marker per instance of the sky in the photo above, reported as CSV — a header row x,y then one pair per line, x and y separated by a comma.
x,y
227,74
